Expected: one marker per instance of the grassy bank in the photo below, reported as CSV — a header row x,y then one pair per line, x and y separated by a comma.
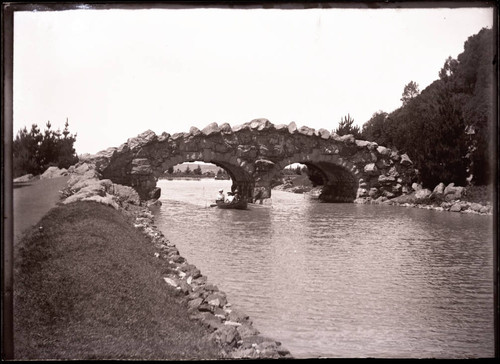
x,y
89,287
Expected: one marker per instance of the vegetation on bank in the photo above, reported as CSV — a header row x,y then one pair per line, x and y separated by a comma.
x,y
33,152
207,171
87,286
448,128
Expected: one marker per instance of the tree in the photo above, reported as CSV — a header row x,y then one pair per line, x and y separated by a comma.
x,y
346,127
197,170
34,152
449,69
170,170
375,129
188,170
67,154
410,92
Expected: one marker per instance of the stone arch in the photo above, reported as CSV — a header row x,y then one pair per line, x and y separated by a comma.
x,y
240,173
254,152
340,176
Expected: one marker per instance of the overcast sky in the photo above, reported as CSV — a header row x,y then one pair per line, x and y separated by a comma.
x,y
116,73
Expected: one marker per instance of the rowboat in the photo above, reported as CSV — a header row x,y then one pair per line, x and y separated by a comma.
x,y
238,205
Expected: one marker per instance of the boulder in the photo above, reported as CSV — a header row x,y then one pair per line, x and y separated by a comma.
x,y
476,207
227,335
405,160
217,299
239,317
486,210
416,186
54,172
105,200
453,193
195,304
304,130
383,179
247,331
362,143
226,128
77,178
383,151
155,193
281,127
211,322
388,194
100,187
362,192
439,189
371,169
292,128
395,156
348,139
126,194
25,178
142,139
82,168
260,124
323,133
422,194
194,131
212,128
102,159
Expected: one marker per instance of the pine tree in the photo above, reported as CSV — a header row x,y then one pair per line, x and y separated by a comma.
x,y
346,127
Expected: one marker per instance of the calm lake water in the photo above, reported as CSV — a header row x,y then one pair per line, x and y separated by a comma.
x,y
343,280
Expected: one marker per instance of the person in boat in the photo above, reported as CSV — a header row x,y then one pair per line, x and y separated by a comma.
x,y
230,197
236,196
220,196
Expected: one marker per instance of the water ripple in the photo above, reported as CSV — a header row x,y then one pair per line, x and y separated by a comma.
x,y
344,280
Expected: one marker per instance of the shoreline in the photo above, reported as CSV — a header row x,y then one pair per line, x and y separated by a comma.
x,y
408,200
230,329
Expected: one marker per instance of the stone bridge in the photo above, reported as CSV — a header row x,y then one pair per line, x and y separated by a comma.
x,y
255,152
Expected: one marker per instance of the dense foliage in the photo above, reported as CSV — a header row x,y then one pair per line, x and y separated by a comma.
x,y
447,129
34,152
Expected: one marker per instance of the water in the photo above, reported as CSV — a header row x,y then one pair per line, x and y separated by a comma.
x,y
343,280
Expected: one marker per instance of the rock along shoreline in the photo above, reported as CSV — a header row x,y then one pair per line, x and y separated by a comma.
x,y
231,329
449,198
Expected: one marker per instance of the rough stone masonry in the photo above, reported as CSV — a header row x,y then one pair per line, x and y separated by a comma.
x,y
255,152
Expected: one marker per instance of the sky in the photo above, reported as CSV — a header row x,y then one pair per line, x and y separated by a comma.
x,y
117,73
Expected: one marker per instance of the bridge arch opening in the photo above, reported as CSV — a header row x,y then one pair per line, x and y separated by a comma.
x,y
240,175
338,183
294,177
196,169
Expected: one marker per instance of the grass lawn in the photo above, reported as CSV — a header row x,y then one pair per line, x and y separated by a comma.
x,y
89,287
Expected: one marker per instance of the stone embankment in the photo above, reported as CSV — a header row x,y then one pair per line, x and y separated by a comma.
x,y
231,329
442,198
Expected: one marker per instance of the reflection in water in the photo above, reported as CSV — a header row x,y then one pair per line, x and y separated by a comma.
x,y
343,280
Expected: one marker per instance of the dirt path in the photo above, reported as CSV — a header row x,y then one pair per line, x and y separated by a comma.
x,y
31,201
